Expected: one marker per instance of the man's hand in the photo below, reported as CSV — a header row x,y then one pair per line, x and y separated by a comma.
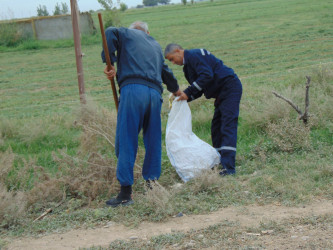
x,y
111,73
182,96
178,93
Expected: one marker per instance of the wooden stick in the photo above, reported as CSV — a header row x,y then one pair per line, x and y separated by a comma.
x,y
288,101
48,211
43,214
305,116
302,116
108,61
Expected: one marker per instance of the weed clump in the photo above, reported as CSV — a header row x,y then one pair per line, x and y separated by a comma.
x,y
86,174
12,204
208,181
289,135
92,171
12,207
158,197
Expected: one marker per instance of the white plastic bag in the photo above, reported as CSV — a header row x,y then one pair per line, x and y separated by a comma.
x,y
187,153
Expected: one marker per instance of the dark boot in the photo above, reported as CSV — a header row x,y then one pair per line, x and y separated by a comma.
x,y
123,198
225,172
150,184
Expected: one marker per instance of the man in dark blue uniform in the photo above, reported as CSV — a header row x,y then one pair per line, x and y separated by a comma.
x,y
208,75
140,73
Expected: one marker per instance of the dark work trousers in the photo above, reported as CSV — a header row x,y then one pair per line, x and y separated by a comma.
x,y
225,122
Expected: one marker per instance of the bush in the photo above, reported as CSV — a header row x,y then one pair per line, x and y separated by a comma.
x,y
111,18
9,34
289,135
123,7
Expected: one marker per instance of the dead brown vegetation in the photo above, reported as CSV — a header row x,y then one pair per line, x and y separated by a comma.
x,y
289,135
90,173
158,197
12,206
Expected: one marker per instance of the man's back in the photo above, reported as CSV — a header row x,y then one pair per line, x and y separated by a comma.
x,y
139,57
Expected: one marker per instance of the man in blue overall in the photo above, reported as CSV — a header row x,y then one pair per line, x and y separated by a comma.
x,y
208,75
140,73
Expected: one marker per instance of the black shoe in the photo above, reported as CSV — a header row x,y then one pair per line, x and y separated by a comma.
x,y
115,202
150,184
223,172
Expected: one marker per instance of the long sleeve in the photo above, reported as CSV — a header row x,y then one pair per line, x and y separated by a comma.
x,y
169,79
205,77
112,39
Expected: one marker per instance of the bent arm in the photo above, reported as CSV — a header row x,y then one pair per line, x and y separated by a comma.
x,y
204,79
169,79
112,39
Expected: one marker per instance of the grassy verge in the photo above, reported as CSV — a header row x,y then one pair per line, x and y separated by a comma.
x,y
51,151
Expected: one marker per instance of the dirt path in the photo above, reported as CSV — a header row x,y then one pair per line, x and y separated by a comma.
x,y
249,216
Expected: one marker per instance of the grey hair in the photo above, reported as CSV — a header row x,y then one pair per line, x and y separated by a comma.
x,y
171,47
139,26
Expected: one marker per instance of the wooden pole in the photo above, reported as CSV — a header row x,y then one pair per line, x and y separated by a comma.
x,y
78,52
108,61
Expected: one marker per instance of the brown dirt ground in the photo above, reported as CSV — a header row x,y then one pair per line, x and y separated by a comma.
x,y
245,217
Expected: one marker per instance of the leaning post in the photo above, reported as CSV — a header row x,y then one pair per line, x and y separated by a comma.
x,y
78,52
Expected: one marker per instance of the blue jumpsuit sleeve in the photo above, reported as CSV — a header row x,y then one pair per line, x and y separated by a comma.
x,y
205,77
169,79
112,39
191,96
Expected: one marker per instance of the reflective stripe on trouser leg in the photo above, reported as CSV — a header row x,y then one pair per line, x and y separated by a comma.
x,y
224,128
134,103
228,159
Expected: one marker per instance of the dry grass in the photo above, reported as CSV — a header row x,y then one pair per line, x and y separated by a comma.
x,y
8,128
289,135
23,179
96,123
31,181
6,163
37,130
261,108
321,97
207,181
12,206
92,172
87,175
158,197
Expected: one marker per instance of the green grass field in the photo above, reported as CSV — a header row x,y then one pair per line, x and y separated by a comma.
x,y
272,45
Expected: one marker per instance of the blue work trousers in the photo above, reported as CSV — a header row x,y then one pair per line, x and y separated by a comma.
x,y
139,108
225,122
